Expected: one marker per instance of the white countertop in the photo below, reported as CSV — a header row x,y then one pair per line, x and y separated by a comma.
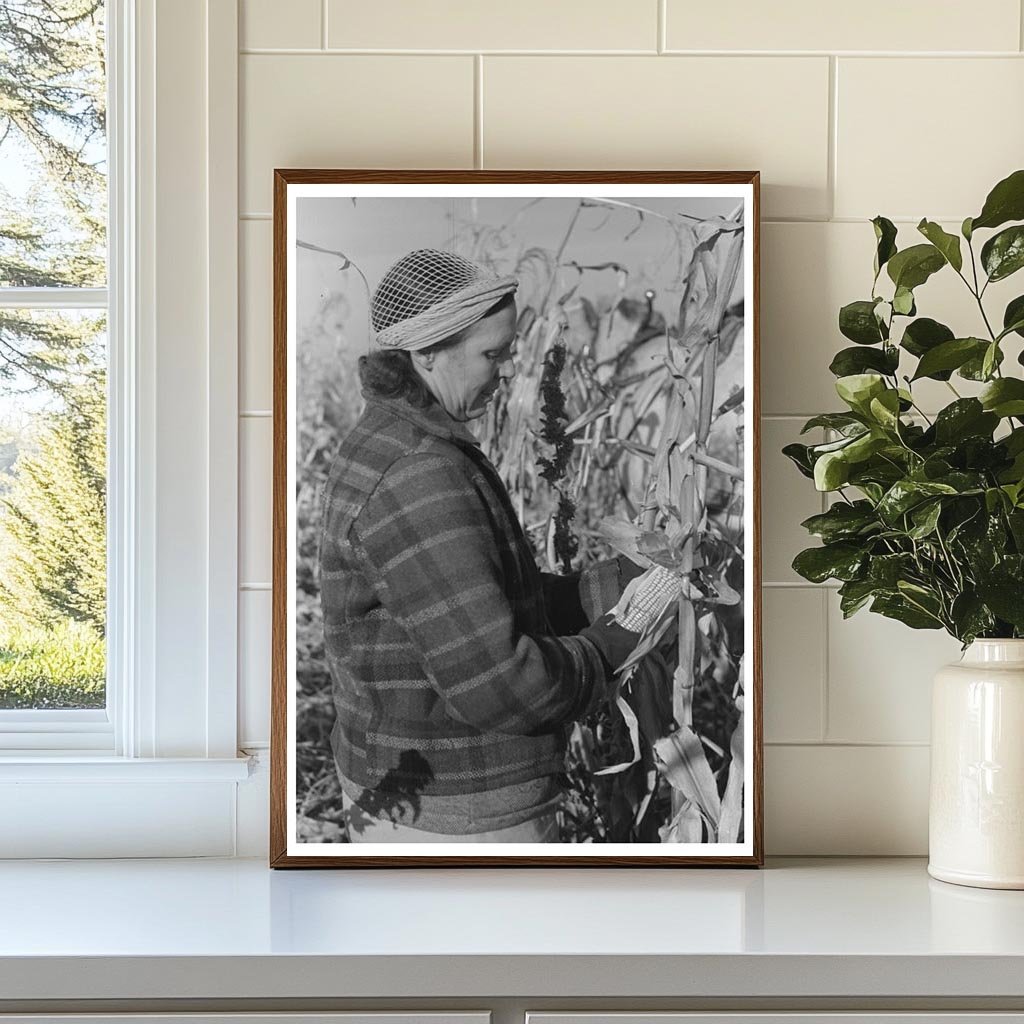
x,y
233,929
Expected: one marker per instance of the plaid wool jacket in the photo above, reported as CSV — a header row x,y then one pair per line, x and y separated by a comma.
x,y
456,664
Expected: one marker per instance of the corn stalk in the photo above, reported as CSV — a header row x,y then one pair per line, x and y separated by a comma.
x,y
643,448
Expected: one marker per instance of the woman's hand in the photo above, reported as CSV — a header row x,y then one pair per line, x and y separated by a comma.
x,y
615,642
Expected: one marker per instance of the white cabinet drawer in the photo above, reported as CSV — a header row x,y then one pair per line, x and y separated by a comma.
x,y
788,1017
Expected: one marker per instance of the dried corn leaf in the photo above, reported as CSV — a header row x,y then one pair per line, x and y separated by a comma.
x,y
685,827
686,767
731,820
633,726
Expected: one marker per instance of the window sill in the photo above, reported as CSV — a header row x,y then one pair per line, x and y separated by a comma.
x,y
79,767
79,806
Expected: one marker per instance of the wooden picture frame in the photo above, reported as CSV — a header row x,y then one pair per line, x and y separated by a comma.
x,y
701,232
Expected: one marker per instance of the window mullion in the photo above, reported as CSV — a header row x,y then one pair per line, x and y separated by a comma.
x,y
53,298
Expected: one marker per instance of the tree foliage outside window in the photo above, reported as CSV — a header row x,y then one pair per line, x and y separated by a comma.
x,y
53,215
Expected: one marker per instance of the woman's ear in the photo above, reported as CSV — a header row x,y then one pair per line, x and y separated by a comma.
x,y
424,360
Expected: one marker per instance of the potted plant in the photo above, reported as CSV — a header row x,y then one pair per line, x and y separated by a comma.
x,y
926,521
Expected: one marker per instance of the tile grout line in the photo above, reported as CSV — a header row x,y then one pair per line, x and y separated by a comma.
x,y
800,585
1020,24
824,723
478,111
831,172
336,51
662,27
323,24
785,221
848,744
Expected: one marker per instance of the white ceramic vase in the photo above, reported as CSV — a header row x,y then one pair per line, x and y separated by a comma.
x,y
976,814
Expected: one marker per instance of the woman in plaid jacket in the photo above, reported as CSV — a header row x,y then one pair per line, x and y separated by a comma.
x,y
457,665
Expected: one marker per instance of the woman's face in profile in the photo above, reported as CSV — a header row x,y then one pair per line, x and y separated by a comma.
x,y
463,377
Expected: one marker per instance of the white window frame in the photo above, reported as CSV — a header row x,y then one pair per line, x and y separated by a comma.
x,y
171,719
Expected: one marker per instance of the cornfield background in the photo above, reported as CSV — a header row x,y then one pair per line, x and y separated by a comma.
x,y
638,306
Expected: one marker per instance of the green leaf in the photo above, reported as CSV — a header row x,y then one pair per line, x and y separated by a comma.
x,y
831,471
898,608
1004,397
903,302
866,445
912,267
833,420
949,355
1014,441
1005,597
799,455
885,236
964,481
887,570
965,229
923,335
1013,317
843,521
834,446
1003,254
970,617
906,494
966,417
1005,202
858,389
849,361
974,368
925,518
857,321
947,244
1016,520
854,595
886,471
885,409
840,561
872,491
995,499
991,360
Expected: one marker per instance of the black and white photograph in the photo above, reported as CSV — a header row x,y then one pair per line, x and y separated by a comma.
x,y
516,560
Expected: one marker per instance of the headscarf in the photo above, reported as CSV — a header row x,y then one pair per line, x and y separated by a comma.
x,y
429,295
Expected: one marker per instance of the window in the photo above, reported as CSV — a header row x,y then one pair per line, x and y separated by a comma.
x,y
53,366
156,311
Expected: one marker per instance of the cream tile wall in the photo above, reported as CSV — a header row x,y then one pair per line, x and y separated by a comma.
x,y
909,110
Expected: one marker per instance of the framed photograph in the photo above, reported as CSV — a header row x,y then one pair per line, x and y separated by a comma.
x,y
516,604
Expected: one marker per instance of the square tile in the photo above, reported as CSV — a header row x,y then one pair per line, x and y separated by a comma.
x,y
693,113
269,24
787,499
880,676
255,316
465,25
846,801
255,510
350,111
949,103
254,628
793,637
870,25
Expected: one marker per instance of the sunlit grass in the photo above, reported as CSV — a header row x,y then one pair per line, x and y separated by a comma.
x,y
60,667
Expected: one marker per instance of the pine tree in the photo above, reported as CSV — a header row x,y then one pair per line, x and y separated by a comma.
x,y
52,124
53,519
53,234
